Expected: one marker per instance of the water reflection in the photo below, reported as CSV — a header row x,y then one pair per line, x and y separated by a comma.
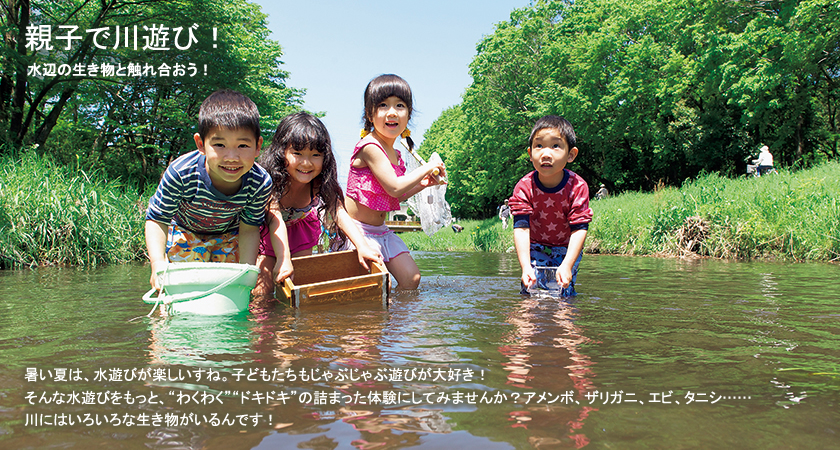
x,y
639,325
395,428
545,338
347,341
195,340
348,337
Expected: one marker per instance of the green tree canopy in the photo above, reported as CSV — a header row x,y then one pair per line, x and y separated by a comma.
x,y
134,120
658,91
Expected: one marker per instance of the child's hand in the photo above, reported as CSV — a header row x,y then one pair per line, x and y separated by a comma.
x,y
158,266
367,253
282,270
564,276
428,181
435,173
528,276
438,169
441,172
432,180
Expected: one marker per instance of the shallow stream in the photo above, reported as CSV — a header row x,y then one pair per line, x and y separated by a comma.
x,y
652,353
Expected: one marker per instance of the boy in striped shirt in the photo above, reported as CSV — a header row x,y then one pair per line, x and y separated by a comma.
x,y
210,202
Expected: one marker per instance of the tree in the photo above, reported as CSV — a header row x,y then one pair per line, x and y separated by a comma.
x,y
142,115
783,73
500,106
658,90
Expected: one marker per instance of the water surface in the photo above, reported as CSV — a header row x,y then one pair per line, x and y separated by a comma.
x,y
652,353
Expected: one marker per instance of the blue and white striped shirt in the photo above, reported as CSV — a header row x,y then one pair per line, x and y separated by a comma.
x,y
187,195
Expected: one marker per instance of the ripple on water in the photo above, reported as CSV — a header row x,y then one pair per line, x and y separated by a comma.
x,y
653,328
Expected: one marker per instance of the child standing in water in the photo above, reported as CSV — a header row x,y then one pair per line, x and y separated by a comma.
x,y
210,202
302,167
377,181
550,206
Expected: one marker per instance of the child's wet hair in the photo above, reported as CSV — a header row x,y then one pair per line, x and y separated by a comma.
x,y
379,89
299,131
558,123
228,109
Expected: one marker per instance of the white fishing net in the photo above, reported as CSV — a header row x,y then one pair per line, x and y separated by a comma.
x,y
430,204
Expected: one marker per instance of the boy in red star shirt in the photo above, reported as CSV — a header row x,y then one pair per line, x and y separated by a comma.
x,y
550,206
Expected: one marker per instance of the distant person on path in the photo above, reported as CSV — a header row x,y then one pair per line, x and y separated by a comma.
x,y
765,161
504,213
602,193
378,180
210,202
550,206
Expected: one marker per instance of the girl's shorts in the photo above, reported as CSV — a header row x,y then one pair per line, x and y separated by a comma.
x,y
185,246
380,238
303,234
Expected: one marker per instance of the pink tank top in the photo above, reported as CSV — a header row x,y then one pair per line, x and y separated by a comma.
x,y
363,186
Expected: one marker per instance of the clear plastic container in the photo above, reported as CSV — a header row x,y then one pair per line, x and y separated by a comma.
x,y
546,281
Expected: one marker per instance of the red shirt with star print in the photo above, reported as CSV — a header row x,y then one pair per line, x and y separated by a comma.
x,y
551,214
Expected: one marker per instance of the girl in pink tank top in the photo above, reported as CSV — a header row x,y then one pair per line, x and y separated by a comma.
x,y
378,181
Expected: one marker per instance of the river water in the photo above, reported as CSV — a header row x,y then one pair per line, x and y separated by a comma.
x,y
652,353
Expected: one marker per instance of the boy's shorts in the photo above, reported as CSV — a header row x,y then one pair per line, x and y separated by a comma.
x,y
185,246
303,234
545,256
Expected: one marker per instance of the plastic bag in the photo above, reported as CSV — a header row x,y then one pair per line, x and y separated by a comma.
x,y
430,204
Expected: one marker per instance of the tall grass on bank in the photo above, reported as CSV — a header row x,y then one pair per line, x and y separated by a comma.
x,y
57,215
478,235
789,216
53,214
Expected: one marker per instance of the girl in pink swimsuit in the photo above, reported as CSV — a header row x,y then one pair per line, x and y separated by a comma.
x,y
303,169
378,181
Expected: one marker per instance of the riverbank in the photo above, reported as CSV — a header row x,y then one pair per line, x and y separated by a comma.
x,y
789,216
478,236
58,215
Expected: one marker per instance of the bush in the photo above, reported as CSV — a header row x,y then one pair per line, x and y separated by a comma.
x,y
54,215
791,216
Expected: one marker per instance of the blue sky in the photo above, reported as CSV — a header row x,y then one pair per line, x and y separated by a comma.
x,y
333,48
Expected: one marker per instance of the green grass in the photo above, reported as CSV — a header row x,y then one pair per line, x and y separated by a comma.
x,y
790,216
59,215
54,215
478,235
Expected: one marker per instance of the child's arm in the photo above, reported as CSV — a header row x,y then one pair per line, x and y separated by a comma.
x,y
564,272
397,187
249,243
427,181
156,248
366,252
522,243
280,242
